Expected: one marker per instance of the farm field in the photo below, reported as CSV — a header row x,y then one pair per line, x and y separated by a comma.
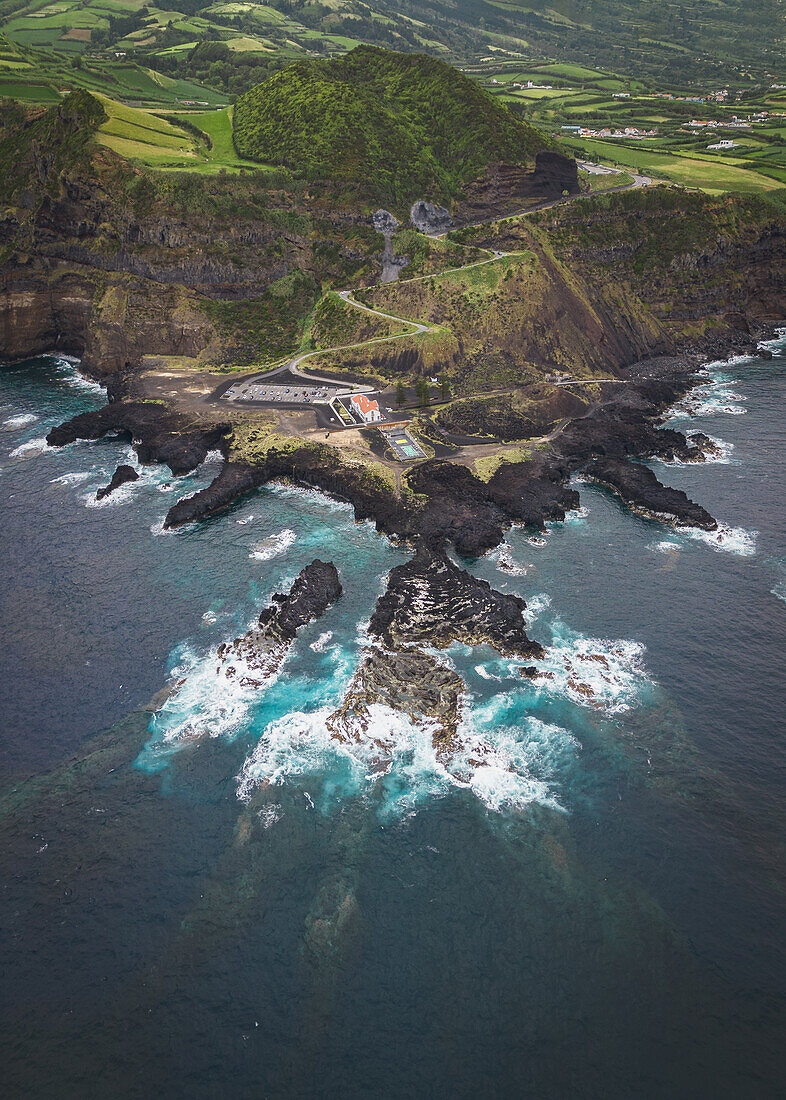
x,y
712,176
155,141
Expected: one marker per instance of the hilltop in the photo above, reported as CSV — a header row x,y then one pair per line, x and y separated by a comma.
x,y
399,125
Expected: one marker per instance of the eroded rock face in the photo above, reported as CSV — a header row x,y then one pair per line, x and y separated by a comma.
x,y
384,222
430,601
255,656
504,187
121,475
428,217
638,486
411,683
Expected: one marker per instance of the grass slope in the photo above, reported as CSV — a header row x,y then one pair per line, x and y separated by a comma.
x,y
398,125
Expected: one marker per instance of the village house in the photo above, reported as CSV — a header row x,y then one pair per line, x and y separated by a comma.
x,y
365,408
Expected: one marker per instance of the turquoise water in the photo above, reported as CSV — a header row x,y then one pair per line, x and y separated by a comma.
x,y
587,899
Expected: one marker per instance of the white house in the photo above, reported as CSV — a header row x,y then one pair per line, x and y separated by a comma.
x,y
365,408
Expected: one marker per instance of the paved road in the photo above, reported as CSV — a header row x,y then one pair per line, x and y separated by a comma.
x,y
416,327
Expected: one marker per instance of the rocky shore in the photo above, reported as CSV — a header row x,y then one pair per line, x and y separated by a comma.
x,y
257,655
122,475
158,434
428,603
446,502
638,487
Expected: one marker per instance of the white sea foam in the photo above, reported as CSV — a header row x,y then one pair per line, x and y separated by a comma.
x,y
272,546
30,449
122,495
536,605
206,701
67,368
666,546
732,540
396,757
572,517
158,528
506,562
779,590
74,478
299,491
775,345
731,361
711,398
270,814
720,456
20,421
323,642
606,675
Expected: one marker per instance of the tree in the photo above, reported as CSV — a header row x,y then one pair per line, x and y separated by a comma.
x,y
422,390
444,387
401,393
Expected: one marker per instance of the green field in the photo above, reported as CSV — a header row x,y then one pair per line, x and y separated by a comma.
x,y
713,176
218,126
147,138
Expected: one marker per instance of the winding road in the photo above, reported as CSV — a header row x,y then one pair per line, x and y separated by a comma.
x,y
416,328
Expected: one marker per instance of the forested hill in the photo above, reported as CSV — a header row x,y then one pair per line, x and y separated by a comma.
x,y
397,125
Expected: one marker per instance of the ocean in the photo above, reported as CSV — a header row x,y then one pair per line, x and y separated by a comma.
x,y
213,898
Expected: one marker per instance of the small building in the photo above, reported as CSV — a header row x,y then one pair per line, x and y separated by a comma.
x,y
725,144
365,408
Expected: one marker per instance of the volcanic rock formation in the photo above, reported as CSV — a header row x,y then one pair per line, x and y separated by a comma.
x,y
256,655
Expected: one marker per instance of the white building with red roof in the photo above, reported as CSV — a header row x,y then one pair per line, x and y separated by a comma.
x,y
365,408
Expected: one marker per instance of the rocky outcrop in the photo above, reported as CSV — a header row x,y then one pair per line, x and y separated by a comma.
x,y
638,486
233,482
430,601
157,434
428,217
410,683
384,222
257,655
507,187
121,476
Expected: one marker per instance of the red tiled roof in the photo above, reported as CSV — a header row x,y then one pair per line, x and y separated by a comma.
x,y
364,404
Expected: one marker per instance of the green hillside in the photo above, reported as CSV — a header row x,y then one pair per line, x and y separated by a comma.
x,y
397,125
677,40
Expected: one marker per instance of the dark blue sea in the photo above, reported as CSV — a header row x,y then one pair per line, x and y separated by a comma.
x,y
205,895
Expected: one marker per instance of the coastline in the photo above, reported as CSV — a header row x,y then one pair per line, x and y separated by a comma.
x,y
453,506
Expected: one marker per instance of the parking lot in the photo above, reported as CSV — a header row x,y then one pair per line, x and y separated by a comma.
x,y
277,394
406,447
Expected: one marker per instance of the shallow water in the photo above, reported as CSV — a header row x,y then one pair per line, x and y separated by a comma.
x,y
219,901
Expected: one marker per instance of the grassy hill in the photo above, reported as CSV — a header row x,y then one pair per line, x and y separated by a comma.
x,y
398,125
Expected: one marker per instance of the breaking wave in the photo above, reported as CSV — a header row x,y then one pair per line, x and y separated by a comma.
x,y
712,398
395,759
20,421
272,546
31,448
728,540
603,674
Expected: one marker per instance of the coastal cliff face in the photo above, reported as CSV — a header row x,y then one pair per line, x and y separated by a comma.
x,y
112,264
